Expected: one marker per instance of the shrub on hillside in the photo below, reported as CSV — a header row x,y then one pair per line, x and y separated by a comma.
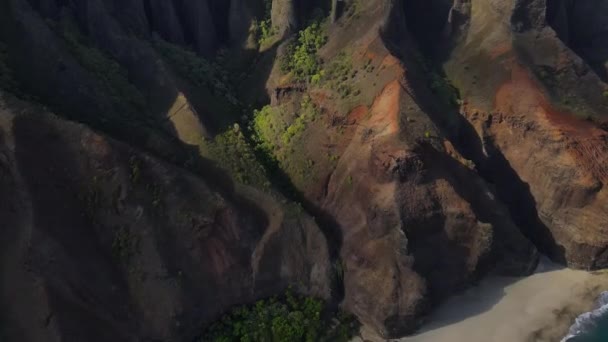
x,y
290,318
301,58
264,128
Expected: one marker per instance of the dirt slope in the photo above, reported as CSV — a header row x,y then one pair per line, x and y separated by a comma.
x,y
433,142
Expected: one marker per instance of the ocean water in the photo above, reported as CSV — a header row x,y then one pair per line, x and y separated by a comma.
x,y
591,326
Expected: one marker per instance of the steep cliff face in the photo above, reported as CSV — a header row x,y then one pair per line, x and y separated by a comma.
x,y
527,105
584,28
105,242
433,142
416,220
202,24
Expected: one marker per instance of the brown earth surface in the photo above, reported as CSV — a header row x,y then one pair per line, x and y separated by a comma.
x,y
464,138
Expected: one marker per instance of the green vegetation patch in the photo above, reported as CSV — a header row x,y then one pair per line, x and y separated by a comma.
x,y
439,83
271,130
277,133
230,150
215,80
8,80
290,318
339,75
301,58
308,113
263,29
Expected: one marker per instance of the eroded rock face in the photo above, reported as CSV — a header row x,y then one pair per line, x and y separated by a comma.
x,y
528,106
416,198
416,220
163,17
104,242
240,18
583,26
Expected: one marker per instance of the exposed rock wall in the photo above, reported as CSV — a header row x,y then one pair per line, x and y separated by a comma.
x,y
423,198
104,242
416,220
527,106
204,25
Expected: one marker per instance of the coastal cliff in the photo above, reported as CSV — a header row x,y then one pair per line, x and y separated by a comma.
x,y
164,161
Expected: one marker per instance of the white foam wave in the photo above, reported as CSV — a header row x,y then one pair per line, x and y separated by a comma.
x,y
588,321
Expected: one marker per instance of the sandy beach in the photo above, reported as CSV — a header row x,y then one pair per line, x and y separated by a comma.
x,y
539,308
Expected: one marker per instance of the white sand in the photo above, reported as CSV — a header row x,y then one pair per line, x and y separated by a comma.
x,y
539,308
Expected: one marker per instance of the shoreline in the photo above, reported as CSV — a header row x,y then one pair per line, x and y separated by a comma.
x,y
537,308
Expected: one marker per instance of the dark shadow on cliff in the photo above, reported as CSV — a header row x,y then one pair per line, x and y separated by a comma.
x,y
576,24
219,180
155,135
516,195
153,132
441,258
255,92
63,222
494,168
426,21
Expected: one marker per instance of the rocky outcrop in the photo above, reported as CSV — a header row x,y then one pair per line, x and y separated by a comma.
x,y
105,242
416,220
135,87
132,16
417,224
240,19
417,193
528,106
205,25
